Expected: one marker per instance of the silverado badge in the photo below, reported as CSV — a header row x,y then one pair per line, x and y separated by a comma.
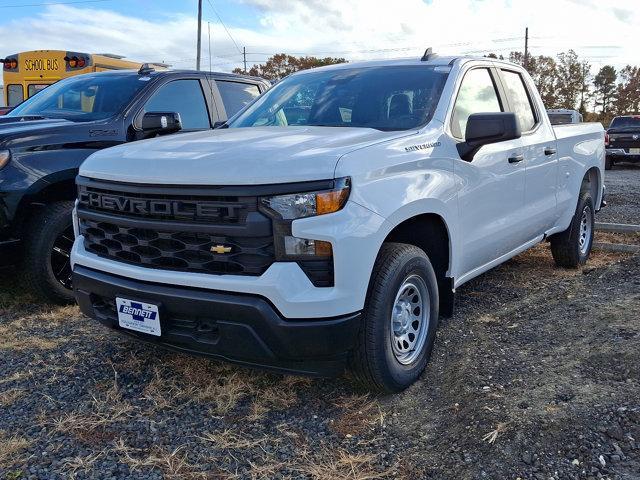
x,y
220,249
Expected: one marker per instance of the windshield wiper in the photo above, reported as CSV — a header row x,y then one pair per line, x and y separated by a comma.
x,y
22,118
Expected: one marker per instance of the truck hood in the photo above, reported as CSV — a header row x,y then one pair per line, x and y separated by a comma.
x,y
16,132
234,156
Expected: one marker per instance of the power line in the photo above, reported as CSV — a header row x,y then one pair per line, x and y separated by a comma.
x,y
52,3
225,27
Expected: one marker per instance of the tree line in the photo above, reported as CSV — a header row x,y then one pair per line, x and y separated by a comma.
x,y
566,81
569,82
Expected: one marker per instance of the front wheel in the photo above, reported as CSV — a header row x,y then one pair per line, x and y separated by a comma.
x,y
572,247
47,267
400,320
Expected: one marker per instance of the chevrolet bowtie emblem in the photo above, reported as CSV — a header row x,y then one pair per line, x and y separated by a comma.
x,y
220,249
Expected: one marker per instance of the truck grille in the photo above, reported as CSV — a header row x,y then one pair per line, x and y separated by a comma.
x,y
192,230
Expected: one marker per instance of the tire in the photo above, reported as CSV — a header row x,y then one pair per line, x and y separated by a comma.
x,y
572,247
376,363
608,163
47,229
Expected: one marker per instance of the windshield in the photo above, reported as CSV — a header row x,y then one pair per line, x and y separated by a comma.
x,y
83,98
625,122
384,98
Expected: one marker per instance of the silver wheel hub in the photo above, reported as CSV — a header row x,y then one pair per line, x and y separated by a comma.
x,y
410,319
586,226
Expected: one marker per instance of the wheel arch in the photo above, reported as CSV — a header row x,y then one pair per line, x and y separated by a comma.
x,y
592,182
57,187
430,232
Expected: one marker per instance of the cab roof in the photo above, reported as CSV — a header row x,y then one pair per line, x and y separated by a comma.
x,y
176,73
433,61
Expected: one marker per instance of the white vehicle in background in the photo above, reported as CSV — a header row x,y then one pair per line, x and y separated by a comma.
x,y
337,235
562,116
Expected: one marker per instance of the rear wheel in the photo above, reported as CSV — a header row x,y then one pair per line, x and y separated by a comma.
x,y
572,247
49,239
400,320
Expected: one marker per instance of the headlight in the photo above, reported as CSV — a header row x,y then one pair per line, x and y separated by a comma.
x,y
5,155
315,257
309,204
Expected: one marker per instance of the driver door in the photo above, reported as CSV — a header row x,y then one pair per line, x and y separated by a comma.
x,y
492,185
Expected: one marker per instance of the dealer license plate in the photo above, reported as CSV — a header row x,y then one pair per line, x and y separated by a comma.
x,y
138,316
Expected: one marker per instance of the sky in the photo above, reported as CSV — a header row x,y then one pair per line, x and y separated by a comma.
x,y
165,30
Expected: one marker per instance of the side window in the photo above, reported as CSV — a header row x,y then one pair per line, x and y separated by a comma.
x,y
477,94
15,95
235,95
34,88
519,99
184,97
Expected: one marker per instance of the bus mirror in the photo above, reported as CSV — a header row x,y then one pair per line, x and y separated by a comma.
x,y
160,123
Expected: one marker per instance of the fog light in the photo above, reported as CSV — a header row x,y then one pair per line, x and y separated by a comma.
x,y
295,246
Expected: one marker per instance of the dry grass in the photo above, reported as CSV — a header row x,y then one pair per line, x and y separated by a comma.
x,y
35,332
84,464
492,436
14,377
342,465
230,440
11,448
539,259
612,237
18,340
221,387
173,464
105,409
8,397
164,392
359,414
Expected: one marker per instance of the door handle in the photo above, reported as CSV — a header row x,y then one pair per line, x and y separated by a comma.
x,y
550,151
516,158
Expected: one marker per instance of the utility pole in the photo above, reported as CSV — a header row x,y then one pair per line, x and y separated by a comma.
x,y
209,31
526,47
199,33
244,56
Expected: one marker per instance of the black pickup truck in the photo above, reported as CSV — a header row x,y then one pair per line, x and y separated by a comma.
x,y
44,140
622,140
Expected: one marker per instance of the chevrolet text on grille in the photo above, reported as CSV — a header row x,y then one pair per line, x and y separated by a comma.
x,y
178,208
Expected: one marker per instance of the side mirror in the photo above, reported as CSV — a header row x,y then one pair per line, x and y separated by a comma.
x,y
485,128
220,124
161,123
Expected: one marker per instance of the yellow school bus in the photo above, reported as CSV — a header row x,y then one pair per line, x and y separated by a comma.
x,y
26,73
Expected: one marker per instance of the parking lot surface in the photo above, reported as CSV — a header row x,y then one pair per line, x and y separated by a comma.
x,y
623,198
536,376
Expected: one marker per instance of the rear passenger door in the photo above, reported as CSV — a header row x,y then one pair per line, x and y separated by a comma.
x,y
235,95
538,145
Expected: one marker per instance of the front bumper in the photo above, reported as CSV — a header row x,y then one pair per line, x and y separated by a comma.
x,y
355,233
239,328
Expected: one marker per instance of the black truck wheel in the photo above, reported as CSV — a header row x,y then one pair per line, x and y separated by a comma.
x,y
48,242
608,163
400,320
572,247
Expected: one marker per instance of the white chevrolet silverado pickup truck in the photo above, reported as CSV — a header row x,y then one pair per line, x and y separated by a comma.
x,y
329,223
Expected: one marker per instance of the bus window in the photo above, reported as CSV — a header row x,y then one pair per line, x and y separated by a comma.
x,y
15,95
34,88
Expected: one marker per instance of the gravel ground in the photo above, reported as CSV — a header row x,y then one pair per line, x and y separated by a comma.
x,y
623,195
537,376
